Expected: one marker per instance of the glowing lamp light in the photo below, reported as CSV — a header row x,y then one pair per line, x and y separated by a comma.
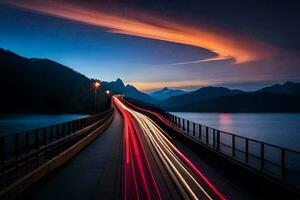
x,y
107,92
97,84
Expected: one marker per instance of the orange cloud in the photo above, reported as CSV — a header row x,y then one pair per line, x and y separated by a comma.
x,y
226,45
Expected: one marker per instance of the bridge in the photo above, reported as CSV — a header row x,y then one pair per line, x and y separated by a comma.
x,y
136,151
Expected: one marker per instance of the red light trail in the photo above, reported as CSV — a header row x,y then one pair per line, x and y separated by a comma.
x,y
139,180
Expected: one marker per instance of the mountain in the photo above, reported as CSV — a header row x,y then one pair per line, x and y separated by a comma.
x,y
166,93
276,98
286,88
245,102
44,86
118,87
134,93
196,96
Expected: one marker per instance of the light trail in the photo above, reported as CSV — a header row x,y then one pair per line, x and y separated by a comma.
x,y
190,182
139,181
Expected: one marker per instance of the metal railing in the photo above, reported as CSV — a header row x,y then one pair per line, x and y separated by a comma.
x,y
14,145
23,152
277,162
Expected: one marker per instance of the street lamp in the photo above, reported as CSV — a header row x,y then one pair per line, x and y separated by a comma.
x,y
108,93
96,85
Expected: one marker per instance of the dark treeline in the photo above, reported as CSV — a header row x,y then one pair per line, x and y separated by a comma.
x,y
44,86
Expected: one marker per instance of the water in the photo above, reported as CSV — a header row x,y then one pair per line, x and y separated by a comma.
x,y
281,129
16,123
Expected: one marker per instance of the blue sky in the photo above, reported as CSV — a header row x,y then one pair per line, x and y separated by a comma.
x,y
145,62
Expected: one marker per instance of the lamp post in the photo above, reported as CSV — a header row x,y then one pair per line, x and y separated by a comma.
x,y
96,85
108,93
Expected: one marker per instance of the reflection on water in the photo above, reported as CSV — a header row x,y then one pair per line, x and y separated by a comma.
x,y
282,129
225,119
16,123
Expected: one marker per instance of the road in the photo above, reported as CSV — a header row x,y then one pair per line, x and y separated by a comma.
x,y
135,159
154,167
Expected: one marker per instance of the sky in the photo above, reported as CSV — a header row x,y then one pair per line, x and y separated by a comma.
x,y
159,43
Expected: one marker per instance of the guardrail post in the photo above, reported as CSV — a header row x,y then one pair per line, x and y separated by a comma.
x,y
218,139
214,137
183,124
2,149
233,145
207,141
283,174
179,122
200,131
36,138
16,146
246,150
262,156
188,126
194,131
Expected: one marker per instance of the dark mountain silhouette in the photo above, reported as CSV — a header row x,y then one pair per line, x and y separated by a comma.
x,y
118,87
44,86
286,88
277,98
198,95
166,93
134,93
245,102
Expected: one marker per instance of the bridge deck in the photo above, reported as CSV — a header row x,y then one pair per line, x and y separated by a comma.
x,y
98,171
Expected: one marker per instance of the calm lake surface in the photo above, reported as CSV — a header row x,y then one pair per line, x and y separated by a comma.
x,y
15,123
282,129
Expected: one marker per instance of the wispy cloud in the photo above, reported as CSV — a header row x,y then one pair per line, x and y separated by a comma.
x,y
226,45
218,58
